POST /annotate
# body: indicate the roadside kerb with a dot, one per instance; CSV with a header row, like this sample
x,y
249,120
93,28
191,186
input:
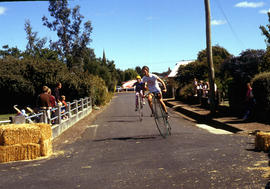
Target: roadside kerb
x,y
229,123
200,115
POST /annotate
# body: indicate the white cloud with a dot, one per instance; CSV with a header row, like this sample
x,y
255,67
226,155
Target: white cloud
x,y
264,11
150,18
245,4
218,22
2,10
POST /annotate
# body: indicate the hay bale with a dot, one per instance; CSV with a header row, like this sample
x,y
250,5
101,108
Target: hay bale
x,y
46,147
19,134
262,141
45,130
19,152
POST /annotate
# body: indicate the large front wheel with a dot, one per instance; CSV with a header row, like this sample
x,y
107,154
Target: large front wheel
x,y
161,119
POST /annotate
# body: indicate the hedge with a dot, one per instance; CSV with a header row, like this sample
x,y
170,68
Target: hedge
x,y
261,91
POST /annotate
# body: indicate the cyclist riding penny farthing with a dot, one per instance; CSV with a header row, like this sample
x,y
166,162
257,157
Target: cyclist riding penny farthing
x,y
155,100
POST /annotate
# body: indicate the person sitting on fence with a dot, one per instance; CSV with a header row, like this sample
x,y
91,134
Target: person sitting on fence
x,y
52,102
63,106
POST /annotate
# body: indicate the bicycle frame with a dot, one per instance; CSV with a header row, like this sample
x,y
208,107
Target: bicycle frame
x,y
160,116
139,103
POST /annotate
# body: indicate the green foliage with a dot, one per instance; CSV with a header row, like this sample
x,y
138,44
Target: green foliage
x,y
219,55
261,91
34,44
187,73
265,32
68,60
187,91
98,91
12,52
240,70
21,80
130,74
14,87
199,68
264,65
73,38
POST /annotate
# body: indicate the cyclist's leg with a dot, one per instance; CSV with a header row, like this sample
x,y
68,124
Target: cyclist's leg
x,y
150,103
136,100
162,103
141,97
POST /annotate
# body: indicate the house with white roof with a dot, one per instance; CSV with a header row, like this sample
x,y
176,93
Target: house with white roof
x,y
171,82
177,65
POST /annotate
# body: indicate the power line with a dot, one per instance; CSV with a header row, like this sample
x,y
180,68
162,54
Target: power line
x,y
230,25
21,0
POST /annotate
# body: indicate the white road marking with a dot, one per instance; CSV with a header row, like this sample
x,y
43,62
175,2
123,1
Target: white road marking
x,y
95,131
92,126
214,130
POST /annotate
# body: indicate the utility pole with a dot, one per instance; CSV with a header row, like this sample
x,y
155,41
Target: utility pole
x,y
211,71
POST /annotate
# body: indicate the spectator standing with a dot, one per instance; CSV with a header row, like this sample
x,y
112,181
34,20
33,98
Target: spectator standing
x,y
206,89
52,98
200,91
249,102
195,83
43,102
56,92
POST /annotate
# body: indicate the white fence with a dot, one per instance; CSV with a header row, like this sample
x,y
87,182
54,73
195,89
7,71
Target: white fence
x,y
60,120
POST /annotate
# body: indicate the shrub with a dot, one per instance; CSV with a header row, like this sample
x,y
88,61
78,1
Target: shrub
x,y
261,91
21,81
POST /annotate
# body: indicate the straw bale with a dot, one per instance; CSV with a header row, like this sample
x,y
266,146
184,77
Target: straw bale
x,y
46,147
1,136
18,134
262,141
45,130
19,152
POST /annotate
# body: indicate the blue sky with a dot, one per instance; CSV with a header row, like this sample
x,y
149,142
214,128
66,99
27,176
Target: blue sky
x,y
157,33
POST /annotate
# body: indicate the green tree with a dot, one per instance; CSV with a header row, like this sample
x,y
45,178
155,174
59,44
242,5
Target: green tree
x,y
237,71
266,31
264,65
13,52
130,74
72,40
139,70
34,44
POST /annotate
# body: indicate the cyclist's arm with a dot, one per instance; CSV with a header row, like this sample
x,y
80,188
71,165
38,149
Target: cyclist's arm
x,y
162,82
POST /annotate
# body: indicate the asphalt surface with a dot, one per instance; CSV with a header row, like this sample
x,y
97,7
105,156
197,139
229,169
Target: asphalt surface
x,y
115,150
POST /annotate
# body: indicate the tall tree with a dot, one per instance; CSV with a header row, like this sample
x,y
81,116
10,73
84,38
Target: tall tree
x,y
104,58
34,44
138,70
72,40
266,31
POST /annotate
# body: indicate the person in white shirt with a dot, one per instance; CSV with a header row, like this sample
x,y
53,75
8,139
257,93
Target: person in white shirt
x,y
151,80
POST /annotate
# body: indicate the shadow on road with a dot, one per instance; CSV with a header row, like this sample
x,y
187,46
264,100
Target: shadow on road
x,y
123,121
129,138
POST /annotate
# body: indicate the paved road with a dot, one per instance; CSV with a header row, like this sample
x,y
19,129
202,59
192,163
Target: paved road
x,y
117,151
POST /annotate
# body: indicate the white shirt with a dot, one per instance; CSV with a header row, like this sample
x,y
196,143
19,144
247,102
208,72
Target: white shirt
x,y
152,83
